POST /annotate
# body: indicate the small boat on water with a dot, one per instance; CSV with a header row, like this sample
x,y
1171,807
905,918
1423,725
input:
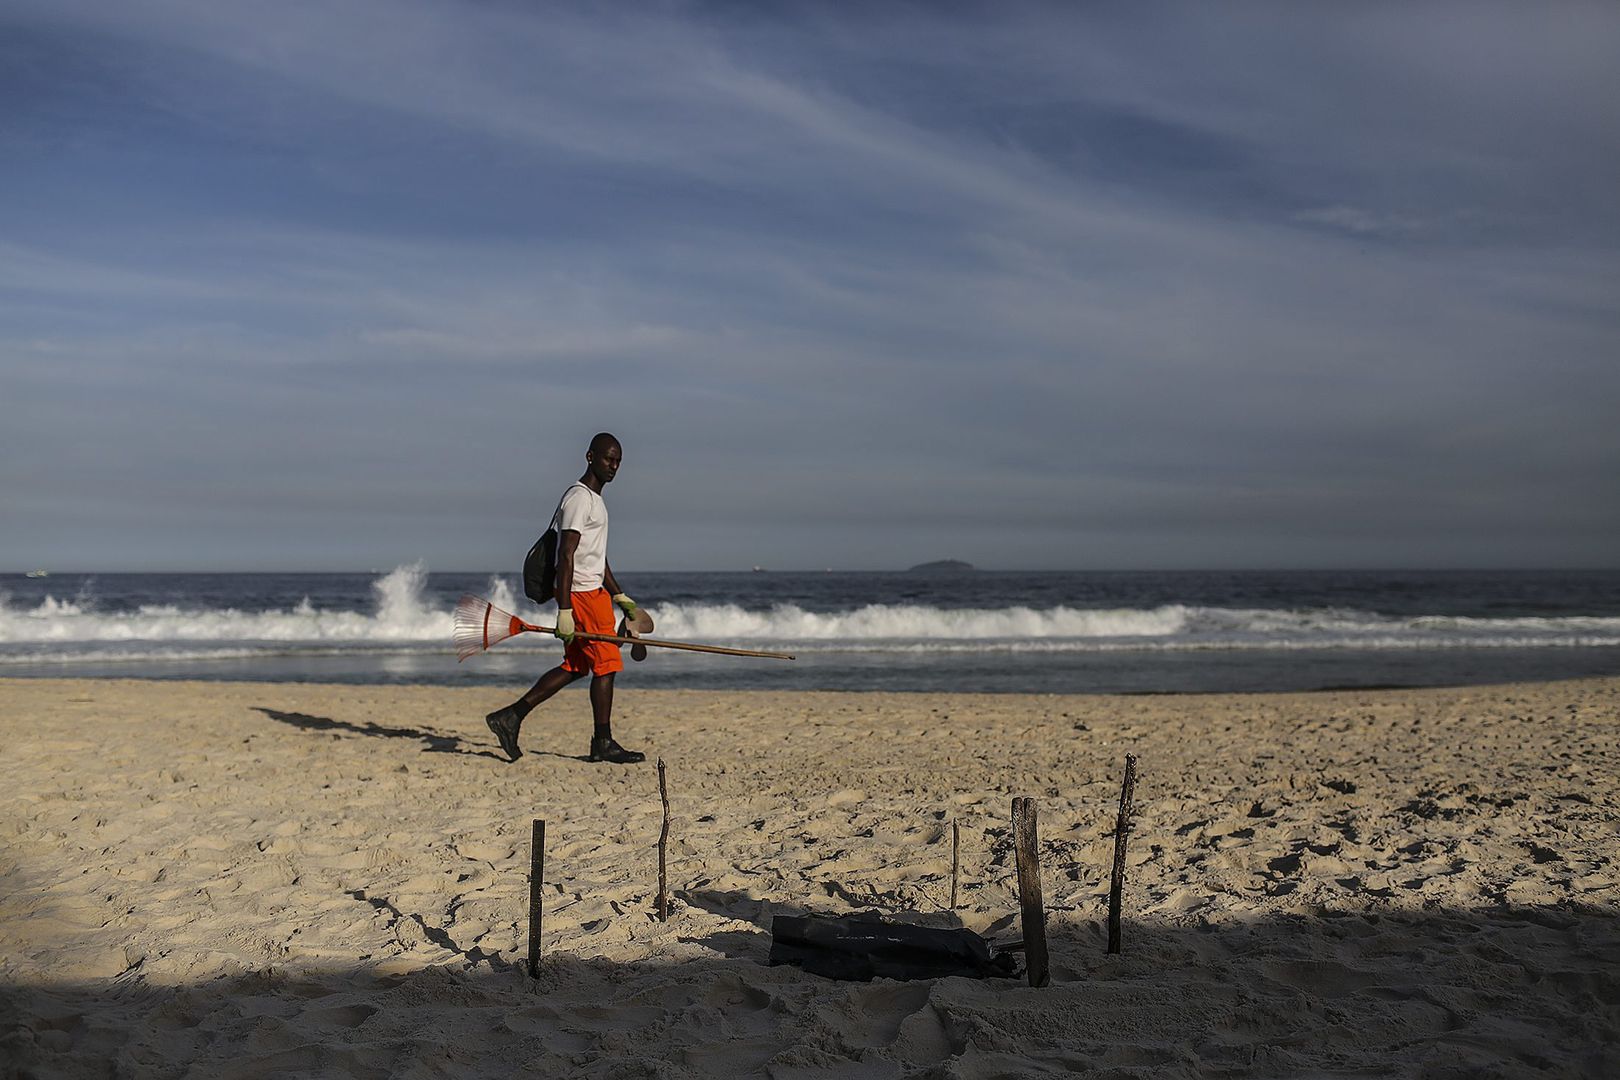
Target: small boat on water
x,y
38,573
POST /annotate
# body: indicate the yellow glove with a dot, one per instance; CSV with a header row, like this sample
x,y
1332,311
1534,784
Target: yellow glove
x,y
565,625
624,601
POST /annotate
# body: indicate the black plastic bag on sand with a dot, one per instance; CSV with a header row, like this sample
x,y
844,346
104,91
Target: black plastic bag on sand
x,y
862,948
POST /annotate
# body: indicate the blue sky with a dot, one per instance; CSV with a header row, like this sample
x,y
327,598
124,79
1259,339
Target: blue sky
x,y
343,285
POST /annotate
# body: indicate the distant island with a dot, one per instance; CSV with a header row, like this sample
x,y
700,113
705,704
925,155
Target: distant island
x,y
941,566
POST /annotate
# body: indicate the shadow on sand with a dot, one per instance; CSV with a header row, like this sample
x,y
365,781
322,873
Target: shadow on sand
x,y
1502,992
435,743
755,945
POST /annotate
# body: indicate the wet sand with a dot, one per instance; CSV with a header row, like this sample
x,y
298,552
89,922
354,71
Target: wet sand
x,y
250,879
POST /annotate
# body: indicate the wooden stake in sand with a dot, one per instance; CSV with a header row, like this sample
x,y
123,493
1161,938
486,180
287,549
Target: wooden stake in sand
x,y
663,841
1025,840
956,847
1122,828
537,871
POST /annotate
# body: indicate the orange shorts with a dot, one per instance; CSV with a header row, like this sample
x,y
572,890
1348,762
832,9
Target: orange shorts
x,y
593,613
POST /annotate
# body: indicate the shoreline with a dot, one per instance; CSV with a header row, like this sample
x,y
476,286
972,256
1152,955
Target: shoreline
x,y
270,877
518,682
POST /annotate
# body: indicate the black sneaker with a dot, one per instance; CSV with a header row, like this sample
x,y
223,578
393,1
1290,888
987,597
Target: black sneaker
x,y
605,749
505,723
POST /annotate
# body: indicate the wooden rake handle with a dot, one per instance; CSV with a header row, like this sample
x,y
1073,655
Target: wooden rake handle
x,y
684,645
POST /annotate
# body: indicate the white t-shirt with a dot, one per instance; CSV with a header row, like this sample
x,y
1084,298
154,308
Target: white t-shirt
x,y
584,511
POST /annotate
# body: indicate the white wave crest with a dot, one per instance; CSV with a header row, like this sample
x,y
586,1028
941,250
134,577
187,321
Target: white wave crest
x,y
401,616
881,622
1167,626
407,619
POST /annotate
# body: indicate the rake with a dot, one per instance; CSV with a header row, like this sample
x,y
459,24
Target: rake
x,y
480,624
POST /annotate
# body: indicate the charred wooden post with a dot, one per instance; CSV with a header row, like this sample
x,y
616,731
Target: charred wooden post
x,y
956,847
1026,840
537,872
663,842
1122,828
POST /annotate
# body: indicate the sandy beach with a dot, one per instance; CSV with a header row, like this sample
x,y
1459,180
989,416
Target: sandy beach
x,y
235,879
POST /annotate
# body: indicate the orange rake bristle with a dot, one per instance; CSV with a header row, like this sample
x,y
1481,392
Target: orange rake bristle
x,y
480,624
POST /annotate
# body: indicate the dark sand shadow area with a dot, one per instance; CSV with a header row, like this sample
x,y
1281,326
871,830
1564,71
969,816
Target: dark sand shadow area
x,y
435,742
1443,993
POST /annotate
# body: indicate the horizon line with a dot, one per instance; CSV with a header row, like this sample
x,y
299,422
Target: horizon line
x,y
971,569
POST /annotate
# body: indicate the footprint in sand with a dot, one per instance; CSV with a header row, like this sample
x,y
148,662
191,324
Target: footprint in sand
x,y
485,852
873,1016
343,1016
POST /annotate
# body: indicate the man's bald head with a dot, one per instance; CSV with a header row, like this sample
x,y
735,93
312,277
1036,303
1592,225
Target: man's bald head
x,y
602,461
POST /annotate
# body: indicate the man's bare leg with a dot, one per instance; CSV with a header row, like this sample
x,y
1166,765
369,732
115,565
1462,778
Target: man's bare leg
x,y
506,722
545,686
602,705
603,748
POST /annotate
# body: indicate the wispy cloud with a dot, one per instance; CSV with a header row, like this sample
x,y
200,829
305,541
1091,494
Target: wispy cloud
x,y
1247,285
1356,219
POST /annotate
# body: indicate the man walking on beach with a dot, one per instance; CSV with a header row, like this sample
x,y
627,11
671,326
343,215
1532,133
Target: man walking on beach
x,y
586,594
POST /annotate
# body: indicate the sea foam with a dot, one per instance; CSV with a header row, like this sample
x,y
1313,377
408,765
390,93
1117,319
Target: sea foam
x,y
405,618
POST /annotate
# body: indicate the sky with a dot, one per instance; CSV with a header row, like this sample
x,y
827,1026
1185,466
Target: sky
x,y
350,284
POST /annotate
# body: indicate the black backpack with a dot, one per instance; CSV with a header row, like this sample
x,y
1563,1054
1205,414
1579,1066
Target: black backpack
x,y
540,569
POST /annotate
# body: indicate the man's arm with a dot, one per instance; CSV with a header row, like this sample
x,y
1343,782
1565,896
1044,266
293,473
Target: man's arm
x,y
627,605
567,544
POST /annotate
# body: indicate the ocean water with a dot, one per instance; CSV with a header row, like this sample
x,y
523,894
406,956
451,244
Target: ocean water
x,y
1054,632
